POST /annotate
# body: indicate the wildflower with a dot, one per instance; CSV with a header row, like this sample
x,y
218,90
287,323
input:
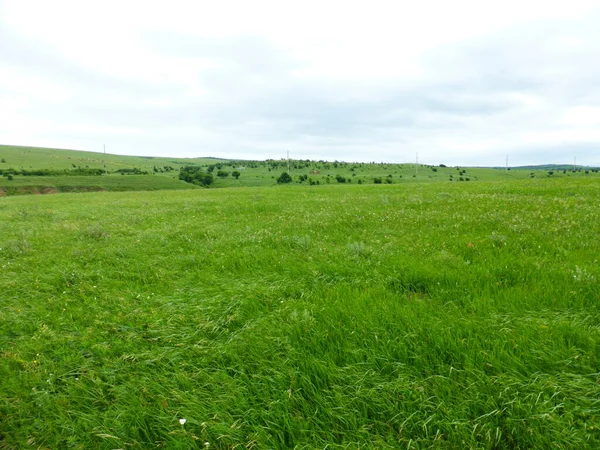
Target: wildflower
x,y
182,421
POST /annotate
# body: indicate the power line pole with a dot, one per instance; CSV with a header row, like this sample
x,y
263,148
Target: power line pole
x,y
417,165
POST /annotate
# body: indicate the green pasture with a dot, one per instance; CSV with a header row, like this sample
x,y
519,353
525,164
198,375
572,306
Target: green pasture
x,y
56,184
412,315
165,172
51,158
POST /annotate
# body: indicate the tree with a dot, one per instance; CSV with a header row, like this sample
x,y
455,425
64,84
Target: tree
x,y
203,179
284,178
235,174
3,160
194,175
222,174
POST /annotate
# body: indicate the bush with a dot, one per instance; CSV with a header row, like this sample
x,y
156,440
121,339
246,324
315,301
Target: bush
x,y
194,175
235,174
284,178
222,174
10,177
3,160
377,180
340,179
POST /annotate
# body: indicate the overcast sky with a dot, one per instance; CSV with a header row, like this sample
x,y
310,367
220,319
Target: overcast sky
x,y
458,82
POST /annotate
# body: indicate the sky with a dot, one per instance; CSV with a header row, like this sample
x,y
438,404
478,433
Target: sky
x,y
458,83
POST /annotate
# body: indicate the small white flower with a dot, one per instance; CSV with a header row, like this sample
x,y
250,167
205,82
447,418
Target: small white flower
x,y
182,421
207,444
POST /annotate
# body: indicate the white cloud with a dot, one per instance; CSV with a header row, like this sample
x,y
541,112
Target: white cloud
x,y
462,82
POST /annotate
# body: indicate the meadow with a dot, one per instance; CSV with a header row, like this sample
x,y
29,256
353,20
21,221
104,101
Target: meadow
x,y
162,173
408,315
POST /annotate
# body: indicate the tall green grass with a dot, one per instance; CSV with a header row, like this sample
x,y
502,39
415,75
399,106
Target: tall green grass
x,y
459,315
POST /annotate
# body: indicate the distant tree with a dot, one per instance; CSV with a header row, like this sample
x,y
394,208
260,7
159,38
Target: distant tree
x,y
284,178
377,180
194,175
340,179
10,177
203,179
235,174
222,174
3,160
442,165
551,173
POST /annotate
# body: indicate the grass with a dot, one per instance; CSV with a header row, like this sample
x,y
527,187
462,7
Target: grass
x,y
421,315
55,184
253,173
19,157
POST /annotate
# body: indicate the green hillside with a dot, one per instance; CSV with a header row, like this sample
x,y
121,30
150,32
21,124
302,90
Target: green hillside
x,y
152,173
52,158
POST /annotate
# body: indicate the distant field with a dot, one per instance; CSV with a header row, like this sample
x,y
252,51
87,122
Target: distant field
x,y
52,158
46,185
251,173
411,315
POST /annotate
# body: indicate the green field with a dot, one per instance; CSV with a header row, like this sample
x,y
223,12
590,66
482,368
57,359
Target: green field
x,y
163,173
340,316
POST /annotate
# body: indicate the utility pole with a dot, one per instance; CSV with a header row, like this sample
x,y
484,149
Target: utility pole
x,y
417,165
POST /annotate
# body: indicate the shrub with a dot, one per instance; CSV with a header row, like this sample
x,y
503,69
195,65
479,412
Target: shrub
x,y
284,178
222,174
377,180
194,175
235,174
10,177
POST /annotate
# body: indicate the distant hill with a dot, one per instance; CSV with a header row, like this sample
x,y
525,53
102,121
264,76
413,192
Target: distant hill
x,y
26,170
548,167
18,157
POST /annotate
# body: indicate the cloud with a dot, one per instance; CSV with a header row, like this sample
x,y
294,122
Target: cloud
x,y
340,82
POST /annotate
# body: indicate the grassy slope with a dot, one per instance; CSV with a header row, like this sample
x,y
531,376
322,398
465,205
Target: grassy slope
x,y
43,158
449,315
43,185
52,158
